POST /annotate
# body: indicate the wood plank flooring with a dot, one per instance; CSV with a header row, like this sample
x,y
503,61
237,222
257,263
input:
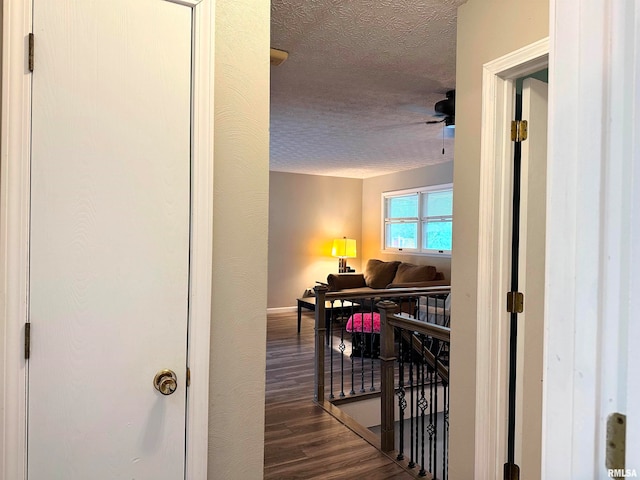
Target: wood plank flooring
x,y
302,441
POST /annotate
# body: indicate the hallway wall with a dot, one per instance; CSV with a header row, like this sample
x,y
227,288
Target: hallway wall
x,y
487,30
240,229
306,212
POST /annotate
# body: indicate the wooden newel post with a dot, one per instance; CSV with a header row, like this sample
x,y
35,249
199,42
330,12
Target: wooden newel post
x,y
387,363
321,331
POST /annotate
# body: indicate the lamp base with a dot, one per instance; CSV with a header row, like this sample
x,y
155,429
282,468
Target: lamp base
x,y
342,265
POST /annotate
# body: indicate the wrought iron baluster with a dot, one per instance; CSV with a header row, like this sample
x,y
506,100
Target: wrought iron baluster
x,y
433,460
414,453
445,427
352,358
423,404
362,344
342,348
402,401
373,353
330,339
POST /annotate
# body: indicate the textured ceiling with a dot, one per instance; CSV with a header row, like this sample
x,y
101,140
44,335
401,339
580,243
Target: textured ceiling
x,y
361,79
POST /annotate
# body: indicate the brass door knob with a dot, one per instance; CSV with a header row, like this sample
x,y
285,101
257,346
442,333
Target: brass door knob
x,y
165,382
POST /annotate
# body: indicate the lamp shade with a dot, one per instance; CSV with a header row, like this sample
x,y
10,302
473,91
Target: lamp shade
x,y
344,248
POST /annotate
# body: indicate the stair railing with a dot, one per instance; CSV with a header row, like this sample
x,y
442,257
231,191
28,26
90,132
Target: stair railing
x,y
413,366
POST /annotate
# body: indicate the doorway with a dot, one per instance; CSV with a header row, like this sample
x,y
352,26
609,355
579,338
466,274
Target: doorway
x,y
494,252
109,239
16,207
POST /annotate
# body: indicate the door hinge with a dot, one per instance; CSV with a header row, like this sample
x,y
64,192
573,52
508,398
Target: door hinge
x,y
27,340
188,376
515,302
511,471
31,51
616,433
518,130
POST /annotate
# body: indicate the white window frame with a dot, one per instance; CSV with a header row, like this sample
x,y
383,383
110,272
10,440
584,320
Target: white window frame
x,y
421,219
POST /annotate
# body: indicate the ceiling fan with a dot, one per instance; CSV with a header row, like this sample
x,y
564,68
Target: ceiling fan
x,y
446,109
443,112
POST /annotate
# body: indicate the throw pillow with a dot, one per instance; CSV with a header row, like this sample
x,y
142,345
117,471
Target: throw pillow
x,y
345,280
379,274
407,273
364,322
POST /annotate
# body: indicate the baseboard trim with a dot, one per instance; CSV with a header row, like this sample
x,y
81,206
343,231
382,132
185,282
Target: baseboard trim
x,y
281,309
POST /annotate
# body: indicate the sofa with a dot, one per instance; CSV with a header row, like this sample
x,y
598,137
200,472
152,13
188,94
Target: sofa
x,y
384,275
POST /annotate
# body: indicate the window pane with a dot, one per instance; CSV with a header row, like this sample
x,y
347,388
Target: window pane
x,y
405,206
401,235
437,235
438,203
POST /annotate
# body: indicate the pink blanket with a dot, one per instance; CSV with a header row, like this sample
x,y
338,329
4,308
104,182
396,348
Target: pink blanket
x,y
355,323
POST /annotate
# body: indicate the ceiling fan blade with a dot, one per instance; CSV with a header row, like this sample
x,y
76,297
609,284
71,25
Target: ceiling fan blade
x,y
398,125
420,110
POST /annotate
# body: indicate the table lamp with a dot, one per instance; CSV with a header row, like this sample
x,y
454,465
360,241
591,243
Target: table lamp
x,y
343,248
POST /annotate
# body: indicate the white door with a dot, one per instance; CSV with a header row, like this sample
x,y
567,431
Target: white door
x,y
531,279
109,249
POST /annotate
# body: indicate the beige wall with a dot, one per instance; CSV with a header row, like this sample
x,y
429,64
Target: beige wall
x,y
306,212
372,204
487,29
240,225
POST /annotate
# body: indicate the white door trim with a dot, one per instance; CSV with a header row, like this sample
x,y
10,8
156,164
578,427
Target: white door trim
x,y
594,228
14,235
494,247
201,258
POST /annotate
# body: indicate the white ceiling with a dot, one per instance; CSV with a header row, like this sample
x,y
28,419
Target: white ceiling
x,y
361,79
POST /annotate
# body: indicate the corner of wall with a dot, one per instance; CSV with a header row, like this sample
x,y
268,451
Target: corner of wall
x,y
240,225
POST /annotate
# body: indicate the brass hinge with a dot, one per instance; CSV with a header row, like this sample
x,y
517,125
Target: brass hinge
x,y
27,340
518,130
31,51
615,449
188,376
511,471
515,302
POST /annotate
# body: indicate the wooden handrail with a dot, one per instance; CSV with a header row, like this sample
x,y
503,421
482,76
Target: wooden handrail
x,y
418,326
430,358
385,293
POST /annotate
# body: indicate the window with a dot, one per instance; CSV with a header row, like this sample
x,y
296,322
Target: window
x,y
418,220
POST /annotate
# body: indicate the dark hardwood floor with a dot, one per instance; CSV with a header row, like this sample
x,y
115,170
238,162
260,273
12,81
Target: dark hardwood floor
x,y
302,441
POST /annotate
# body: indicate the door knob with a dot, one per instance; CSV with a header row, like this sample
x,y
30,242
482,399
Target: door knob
x,y
165,382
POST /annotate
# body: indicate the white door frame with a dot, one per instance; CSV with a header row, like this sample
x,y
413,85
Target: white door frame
x,y
15,156
494,250
593,235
